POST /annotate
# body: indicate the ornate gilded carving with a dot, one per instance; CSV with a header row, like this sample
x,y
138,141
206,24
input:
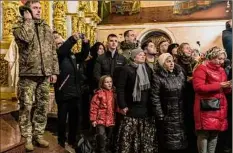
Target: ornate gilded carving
x,y
81,29
87,23
84,6
94,6
74,19
92,35
59,17
45,11
88,31
10,15
3,71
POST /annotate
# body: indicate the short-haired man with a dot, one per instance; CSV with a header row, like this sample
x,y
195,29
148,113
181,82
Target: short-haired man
x,y
110,62
129,43
151,53
38,66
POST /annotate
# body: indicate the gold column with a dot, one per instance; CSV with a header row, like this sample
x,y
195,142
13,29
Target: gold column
x,y
91,36
81,25
94,6
74,19
94,35
81,29
10,15
59,17
45,11
88,30
92,39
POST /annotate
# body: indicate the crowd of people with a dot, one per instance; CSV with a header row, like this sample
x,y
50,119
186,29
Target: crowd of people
x,y
139,97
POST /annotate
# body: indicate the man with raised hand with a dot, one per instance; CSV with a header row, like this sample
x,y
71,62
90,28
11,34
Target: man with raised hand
x,y
38,67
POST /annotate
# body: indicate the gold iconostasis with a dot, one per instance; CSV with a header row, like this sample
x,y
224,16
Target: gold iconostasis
x,y
65,17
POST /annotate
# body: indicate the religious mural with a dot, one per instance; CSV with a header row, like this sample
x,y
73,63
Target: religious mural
x,y
191,6
114,12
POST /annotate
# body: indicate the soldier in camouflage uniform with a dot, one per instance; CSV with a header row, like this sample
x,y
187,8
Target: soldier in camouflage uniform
x,y
38,66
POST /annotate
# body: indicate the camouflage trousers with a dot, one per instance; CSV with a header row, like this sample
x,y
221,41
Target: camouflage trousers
x,y
32,123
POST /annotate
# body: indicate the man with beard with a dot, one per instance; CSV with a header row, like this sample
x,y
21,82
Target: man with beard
x,y
151,53
129,43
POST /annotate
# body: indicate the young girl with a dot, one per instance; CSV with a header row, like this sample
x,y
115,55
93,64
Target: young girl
x,y
102,113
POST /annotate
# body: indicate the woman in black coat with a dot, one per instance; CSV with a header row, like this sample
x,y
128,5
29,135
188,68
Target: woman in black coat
x,y
137,130
167,100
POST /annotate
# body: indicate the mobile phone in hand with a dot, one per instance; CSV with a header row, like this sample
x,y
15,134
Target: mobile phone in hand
x,y
81,36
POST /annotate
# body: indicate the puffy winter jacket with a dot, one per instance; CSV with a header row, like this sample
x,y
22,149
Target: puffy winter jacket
x,y
167,100
102,108
206,82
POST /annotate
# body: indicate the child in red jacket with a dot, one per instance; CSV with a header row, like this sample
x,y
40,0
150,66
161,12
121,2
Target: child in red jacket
x,y
102,112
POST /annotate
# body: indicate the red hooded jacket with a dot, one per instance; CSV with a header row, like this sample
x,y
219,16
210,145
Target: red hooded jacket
x,y
206,82
102,109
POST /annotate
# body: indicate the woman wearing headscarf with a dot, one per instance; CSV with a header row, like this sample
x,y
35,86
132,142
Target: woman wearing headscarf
x,y
210,108
167,99
137,130
187,62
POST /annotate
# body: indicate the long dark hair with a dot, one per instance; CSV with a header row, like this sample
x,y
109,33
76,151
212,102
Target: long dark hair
x,y
171,47
94,49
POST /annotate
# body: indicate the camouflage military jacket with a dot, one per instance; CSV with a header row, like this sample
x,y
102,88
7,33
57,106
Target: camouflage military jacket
x,y
37,50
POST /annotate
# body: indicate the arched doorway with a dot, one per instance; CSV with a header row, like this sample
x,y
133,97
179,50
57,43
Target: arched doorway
x,y
156,37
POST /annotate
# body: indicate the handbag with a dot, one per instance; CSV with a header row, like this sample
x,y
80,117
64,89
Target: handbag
x,y
210,104
83,146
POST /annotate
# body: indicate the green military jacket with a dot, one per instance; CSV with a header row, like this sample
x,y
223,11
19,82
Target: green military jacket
x,y
37,50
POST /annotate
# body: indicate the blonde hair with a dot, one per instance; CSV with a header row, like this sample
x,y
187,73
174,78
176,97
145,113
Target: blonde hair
x,y
101,81
210,54
180,49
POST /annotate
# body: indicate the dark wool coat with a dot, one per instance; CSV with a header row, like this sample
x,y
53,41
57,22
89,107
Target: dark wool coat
x,y
69,79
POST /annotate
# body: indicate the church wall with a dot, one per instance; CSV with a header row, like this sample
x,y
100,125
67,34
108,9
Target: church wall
x,y
209,33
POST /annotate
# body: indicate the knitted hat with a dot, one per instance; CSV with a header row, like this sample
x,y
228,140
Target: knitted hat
x,y
214,52
134,52
162,58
